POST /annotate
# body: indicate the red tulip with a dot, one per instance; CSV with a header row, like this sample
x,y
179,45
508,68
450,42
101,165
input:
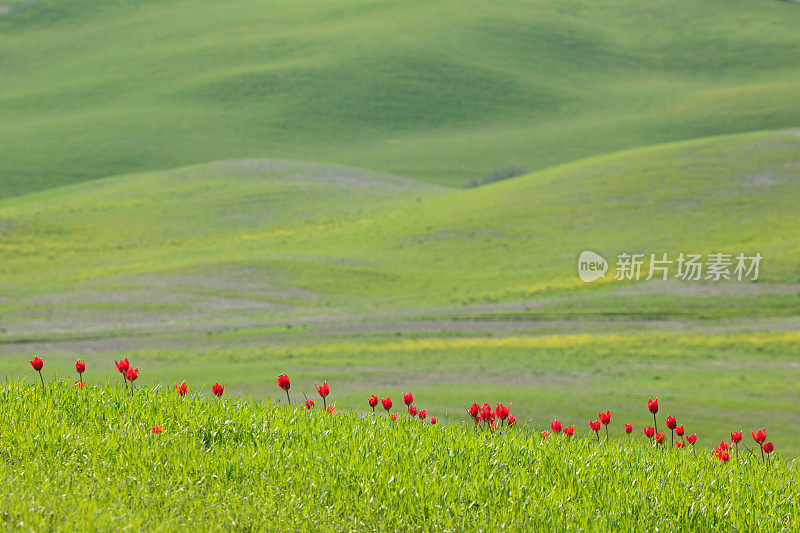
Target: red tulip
x,y
37,363
122,365
649,432
680,444
309,404
723,456
473,411
512,421
761,436
433,421
736,437
628,428
679,431
323,391
330,409
373,401
408,398
605,419
595,426
80,385
691,439
132,374
412,410
80,367
659,438
387,403
158,429
672,424
392,416
283,382
423,414
569,431
768,447
545,434
502,411
652,405
723,446
555,426
217,389
181,389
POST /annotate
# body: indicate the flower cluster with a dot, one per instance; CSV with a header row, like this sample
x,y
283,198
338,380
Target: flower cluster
x,y
484,416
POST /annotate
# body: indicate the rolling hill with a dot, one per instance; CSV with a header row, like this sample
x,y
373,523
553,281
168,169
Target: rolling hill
x,y
243,269
95,88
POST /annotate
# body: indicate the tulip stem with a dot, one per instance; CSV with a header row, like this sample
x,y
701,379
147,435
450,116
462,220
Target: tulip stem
x,y
287,397
672,438
655,423
40,377
607,433
124,380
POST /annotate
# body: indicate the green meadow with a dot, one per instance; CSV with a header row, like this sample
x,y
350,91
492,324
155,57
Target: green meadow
x,y
238,271
232,191
240,465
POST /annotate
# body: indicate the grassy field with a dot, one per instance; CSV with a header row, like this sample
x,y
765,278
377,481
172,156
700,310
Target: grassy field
x,y
232,191
88,458
253,268
444,91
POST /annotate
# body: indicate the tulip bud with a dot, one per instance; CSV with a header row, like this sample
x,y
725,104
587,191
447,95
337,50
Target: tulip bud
x,y
37,363
652,405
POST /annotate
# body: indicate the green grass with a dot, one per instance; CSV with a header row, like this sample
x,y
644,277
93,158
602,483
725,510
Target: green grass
x,y
79,459
712,383
443,91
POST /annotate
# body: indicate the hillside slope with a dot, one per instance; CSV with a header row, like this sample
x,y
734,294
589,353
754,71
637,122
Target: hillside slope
x,y
246,269
444,91
260,239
